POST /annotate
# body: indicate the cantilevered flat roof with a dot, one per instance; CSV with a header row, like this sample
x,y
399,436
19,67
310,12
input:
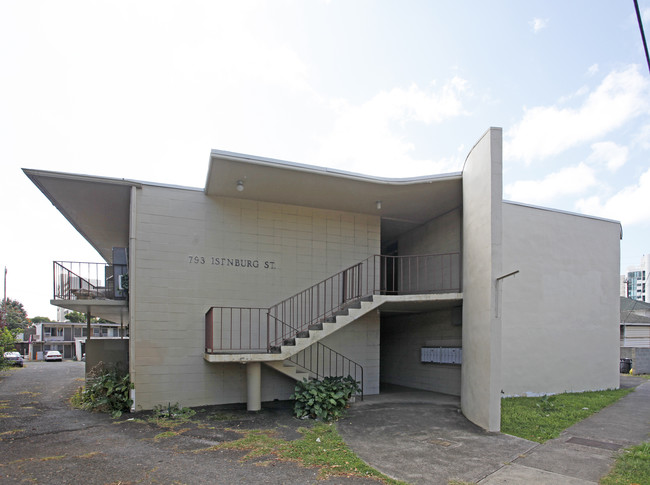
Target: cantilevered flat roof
x,y
97,207
405,203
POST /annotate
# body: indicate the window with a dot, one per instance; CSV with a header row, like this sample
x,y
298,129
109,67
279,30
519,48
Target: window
x,y
52,332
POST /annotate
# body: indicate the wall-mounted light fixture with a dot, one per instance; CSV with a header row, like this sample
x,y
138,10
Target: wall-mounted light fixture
x,y
240,186
379,205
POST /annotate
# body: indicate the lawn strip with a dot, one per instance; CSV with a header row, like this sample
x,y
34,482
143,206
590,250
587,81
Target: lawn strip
x,y
632,466
543,418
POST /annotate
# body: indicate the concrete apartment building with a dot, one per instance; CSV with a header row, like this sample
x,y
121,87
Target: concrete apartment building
x,y
634,284
275,271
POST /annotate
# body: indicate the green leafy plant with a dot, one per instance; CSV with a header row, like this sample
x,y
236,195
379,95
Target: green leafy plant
x,y
172,412
324,399
107,390
7,340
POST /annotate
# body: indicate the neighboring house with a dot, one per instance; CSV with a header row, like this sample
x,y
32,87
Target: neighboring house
x,y
272,272
634,284
635,334
66,337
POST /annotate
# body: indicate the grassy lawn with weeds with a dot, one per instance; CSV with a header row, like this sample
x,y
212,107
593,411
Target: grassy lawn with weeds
x,y
543,418
321,446
632,467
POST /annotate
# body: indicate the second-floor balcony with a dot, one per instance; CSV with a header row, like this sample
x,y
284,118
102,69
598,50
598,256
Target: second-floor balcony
x,y
97,288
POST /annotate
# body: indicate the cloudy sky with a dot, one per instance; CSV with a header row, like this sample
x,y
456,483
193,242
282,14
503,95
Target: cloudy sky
x,y
144,89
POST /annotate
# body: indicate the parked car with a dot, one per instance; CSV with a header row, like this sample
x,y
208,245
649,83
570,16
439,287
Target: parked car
x,y
52,355
13,358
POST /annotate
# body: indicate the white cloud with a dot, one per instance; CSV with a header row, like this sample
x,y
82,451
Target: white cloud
x,y
631,205
369,138
548,130
609,154
593,70
538,24
569,181
642,137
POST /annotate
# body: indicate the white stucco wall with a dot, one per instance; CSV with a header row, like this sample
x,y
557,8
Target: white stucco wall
x,y
482,200
293,248
560,313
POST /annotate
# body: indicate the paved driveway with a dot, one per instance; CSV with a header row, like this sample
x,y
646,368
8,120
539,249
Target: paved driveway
x,y
422,437
43,440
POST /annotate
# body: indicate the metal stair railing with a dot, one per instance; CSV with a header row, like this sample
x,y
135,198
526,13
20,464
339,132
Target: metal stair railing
x,y
322,361
376,275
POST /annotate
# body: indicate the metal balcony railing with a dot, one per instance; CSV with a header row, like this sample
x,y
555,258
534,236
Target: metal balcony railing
x,y
258,329
85,281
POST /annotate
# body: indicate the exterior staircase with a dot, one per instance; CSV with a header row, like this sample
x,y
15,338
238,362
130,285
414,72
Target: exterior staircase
x,y
288,335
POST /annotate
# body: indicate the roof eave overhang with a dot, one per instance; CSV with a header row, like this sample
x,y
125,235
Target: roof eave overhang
x,y
269,180
78,210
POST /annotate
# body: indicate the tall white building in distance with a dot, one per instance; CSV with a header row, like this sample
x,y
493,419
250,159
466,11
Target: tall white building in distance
x,y
635,281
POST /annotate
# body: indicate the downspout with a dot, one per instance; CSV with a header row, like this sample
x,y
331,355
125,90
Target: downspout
x,y
131,296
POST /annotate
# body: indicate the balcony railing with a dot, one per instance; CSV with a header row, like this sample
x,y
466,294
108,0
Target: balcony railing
x,y
259,329
86,281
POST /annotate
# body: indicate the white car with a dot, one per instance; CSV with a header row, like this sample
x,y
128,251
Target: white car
x,y
13,358
52,355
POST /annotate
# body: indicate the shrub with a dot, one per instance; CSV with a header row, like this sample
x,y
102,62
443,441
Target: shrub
x,y
324,400
107,390
172,412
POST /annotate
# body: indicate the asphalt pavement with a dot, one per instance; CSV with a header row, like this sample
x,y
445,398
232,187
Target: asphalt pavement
x,y
44,440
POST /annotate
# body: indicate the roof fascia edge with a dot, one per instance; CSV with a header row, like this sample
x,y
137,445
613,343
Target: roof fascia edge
x,y
31,173
568,213
318,170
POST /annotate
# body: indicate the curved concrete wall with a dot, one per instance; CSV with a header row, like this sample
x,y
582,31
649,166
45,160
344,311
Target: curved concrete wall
x,y
482,200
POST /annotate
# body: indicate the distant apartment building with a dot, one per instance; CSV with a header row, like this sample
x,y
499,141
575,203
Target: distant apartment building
x,y
66,337
634,284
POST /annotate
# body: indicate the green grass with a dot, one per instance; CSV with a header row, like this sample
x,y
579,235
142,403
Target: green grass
x,y
321,446
632,467
541,419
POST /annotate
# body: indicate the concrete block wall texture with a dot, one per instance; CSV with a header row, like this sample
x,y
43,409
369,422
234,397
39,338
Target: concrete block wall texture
x,y
403,336
557,337
359,341
640,359
191,252
109,351
481,230
440,235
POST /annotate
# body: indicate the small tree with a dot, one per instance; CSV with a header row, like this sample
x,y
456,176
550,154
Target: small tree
x,y
16,316
76,317
40,320
7,341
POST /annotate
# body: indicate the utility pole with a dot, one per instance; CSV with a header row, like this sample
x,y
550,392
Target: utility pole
x,y
3,322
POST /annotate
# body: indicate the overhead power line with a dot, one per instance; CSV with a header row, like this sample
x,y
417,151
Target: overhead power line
x,y
645,45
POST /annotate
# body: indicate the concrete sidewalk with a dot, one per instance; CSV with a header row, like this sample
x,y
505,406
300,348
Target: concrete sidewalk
x,y
583,453
421,437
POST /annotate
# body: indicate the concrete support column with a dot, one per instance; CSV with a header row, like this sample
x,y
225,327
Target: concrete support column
x,y
254,386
